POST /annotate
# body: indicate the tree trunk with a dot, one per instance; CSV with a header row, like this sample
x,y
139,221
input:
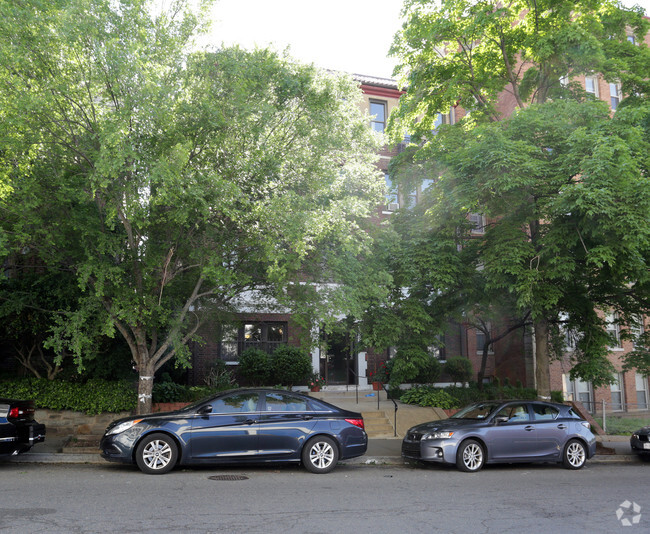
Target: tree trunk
x,y
481,373
145,388
542,361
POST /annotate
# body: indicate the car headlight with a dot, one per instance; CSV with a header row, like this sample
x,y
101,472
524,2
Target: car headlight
x,y
635,436
586,425
438,435
122,427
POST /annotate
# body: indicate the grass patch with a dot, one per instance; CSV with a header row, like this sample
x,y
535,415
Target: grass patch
x,y
623,426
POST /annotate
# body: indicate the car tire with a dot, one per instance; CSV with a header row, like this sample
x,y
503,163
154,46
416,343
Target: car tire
x,y
320,455
470,456
575,454
156,454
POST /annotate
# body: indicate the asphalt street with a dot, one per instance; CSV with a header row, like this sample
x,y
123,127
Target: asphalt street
x,y
58,498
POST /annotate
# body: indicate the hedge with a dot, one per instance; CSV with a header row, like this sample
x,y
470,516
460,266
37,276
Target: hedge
x,y
93,397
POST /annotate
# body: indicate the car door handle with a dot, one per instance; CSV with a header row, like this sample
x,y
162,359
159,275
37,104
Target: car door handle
x,y
529,428
561,426
307,417
251,422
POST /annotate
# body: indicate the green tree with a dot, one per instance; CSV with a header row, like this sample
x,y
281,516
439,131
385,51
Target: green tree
x,y
172,182
563,185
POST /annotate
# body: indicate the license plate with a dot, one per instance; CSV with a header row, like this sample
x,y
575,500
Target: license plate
x,y
646,445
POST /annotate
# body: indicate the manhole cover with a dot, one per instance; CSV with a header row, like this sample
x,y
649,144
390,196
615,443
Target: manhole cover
x,y
228,477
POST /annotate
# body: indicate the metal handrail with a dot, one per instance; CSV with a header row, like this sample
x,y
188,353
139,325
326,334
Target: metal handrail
x,y
383,386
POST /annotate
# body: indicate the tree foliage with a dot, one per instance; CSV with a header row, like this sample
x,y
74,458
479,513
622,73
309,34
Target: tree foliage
x,y
562,183
172,182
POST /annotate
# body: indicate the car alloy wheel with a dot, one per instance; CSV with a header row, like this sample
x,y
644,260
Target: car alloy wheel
x,y
575,454
320,455
470,456
156,454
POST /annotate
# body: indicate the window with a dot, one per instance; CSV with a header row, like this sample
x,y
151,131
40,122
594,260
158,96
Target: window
x,y
571,337
578,391
427,183
636,329
411,199
591,85
229,339
477,222
631,39
516,413
281,402
378,113
443,118
266,336
641,391
614,94
392,201
238,403
617,393
480,340
613,330
542,412
438,349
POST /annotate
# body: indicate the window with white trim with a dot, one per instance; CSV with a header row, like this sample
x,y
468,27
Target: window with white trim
x,y
614,94
378,115
477,222
641,383
591,85
392,198
480,340
616,389
613,329
579,391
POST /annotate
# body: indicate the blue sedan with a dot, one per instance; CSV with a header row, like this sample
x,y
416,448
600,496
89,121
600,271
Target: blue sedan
x,y
239,426
503,432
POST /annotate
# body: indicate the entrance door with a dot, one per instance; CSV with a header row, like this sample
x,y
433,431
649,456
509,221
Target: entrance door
x,y
341,359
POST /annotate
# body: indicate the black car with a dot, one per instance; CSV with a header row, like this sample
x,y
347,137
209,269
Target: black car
x,y
640,442
503,431
239,426
18,430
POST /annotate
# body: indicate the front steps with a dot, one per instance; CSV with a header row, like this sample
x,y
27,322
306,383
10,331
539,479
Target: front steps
x,y
378,425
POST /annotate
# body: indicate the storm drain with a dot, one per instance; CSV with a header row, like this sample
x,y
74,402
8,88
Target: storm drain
x,y
228,477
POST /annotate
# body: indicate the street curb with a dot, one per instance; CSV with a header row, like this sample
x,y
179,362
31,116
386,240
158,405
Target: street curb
x,y
57,458
370,461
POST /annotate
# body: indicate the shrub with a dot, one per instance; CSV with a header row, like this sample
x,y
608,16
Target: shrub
x,y
168,392
93,397
290,365
255,367
407,364
459,369
220,377
429,396
430,369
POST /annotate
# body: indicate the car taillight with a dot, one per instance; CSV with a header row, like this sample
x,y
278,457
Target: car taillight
x,y
357,422
16,412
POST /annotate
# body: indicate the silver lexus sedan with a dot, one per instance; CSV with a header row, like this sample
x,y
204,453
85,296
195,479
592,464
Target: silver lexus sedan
x,y
503,432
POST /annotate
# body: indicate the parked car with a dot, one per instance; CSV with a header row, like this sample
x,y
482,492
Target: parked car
x,y
239,426
640,442
18,430
498,431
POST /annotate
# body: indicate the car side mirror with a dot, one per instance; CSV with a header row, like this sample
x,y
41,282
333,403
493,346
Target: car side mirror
x,y
205,409
501,419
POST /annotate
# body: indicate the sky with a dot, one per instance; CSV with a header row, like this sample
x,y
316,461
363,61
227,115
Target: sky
x,y
347,35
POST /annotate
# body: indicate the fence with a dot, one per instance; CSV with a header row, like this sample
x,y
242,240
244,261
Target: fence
x,y
619,417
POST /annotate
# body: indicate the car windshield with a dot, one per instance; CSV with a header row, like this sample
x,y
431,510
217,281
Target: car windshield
x,y
480,410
